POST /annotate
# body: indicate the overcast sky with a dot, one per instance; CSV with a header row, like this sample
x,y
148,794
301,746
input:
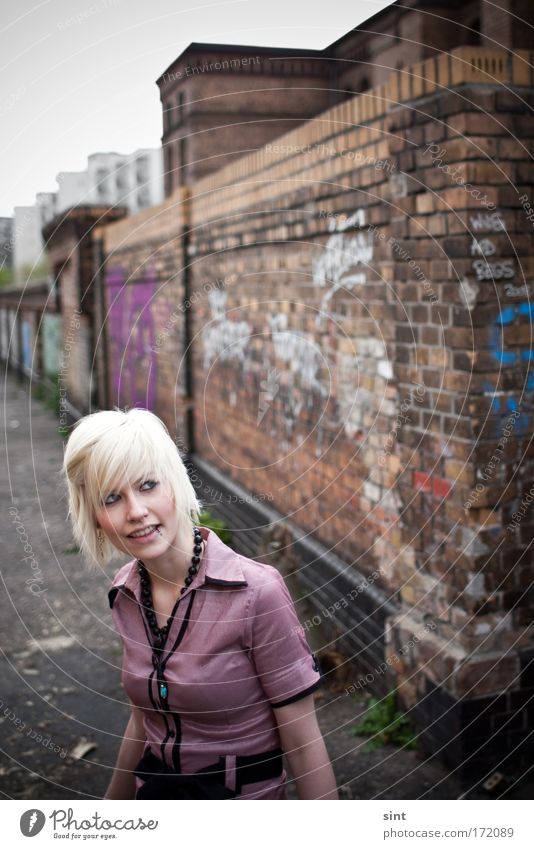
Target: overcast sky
x,y
78,76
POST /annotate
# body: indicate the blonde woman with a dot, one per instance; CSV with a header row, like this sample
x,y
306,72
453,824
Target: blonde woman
x,y
215,663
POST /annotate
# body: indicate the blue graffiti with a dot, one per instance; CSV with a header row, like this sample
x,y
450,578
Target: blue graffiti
x,y
503,406
507,316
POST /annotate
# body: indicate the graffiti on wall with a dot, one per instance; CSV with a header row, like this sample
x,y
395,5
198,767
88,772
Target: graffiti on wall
x,y
26,345
52,334
342,265
493,269
4,334
223,338
132,336
308,372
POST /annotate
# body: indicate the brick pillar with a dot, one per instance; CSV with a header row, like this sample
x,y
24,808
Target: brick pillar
x,y
505,23
460,240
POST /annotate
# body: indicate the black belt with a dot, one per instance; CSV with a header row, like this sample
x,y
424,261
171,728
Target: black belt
x,y
207,783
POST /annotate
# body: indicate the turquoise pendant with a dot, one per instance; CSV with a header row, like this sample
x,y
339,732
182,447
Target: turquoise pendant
x,y
163,690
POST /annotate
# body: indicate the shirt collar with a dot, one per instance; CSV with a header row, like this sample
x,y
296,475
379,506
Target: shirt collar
x,y
220,567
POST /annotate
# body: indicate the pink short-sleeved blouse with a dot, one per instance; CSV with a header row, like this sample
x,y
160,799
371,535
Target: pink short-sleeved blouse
x,y
235,650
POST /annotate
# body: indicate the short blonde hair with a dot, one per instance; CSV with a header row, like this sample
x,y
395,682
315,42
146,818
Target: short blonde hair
x,y
108,449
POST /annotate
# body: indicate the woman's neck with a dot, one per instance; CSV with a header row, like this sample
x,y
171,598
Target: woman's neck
x,y
168,571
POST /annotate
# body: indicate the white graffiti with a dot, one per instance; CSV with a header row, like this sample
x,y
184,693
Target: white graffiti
x,y
300,352
342,254
224,339
494,270
487,221
482,247
525,290
469,292
354,402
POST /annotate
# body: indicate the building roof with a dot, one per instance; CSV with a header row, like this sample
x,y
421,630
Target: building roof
x,y
239,49
81,216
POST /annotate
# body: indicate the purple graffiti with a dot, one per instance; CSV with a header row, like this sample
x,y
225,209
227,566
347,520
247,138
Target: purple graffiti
x,y
132,335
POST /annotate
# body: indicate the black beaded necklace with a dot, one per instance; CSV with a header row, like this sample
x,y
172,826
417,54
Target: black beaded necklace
x,y
146,592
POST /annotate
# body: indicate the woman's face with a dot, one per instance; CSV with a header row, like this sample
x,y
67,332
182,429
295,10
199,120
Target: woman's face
x,y
139,518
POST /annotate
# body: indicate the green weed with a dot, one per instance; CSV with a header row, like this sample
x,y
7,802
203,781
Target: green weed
x,y
385,724
216,525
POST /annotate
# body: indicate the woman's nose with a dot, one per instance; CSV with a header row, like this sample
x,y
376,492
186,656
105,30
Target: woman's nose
x,y
136,509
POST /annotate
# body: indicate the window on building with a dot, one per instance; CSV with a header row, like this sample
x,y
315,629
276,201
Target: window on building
x,y
122,180
143,198
472,33
168,176
101,183
167,112
141,169
179,179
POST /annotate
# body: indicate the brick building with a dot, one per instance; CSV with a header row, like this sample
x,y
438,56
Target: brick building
x,y
339,322
220,101
70,249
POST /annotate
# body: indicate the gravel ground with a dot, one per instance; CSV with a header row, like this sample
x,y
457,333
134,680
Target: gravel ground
x,y
60,654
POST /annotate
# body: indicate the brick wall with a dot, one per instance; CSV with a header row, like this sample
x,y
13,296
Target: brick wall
x,y
221,101
144,293
69,245
359,348
359,364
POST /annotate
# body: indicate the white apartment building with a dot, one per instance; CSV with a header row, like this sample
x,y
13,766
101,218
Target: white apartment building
x,y
27,240
47,203
134,180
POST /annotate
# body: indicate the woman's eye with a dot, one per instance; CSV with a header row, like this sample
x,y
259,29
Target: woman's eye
x,y
148,485
110,499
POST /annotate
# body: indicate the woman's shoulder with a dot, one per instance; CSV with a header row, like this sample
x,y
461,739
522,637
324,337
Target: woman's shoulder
x,y
260,575
225,565
125,577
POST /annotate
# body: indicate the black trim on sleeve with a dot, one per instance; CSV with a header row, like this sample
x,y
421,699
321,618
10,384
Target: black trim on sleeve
x,y
111,596
298,696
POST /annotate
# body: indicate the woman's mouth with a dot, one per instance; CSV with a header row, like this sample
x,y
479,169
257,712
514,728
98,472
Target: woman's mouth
x,y
145,534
